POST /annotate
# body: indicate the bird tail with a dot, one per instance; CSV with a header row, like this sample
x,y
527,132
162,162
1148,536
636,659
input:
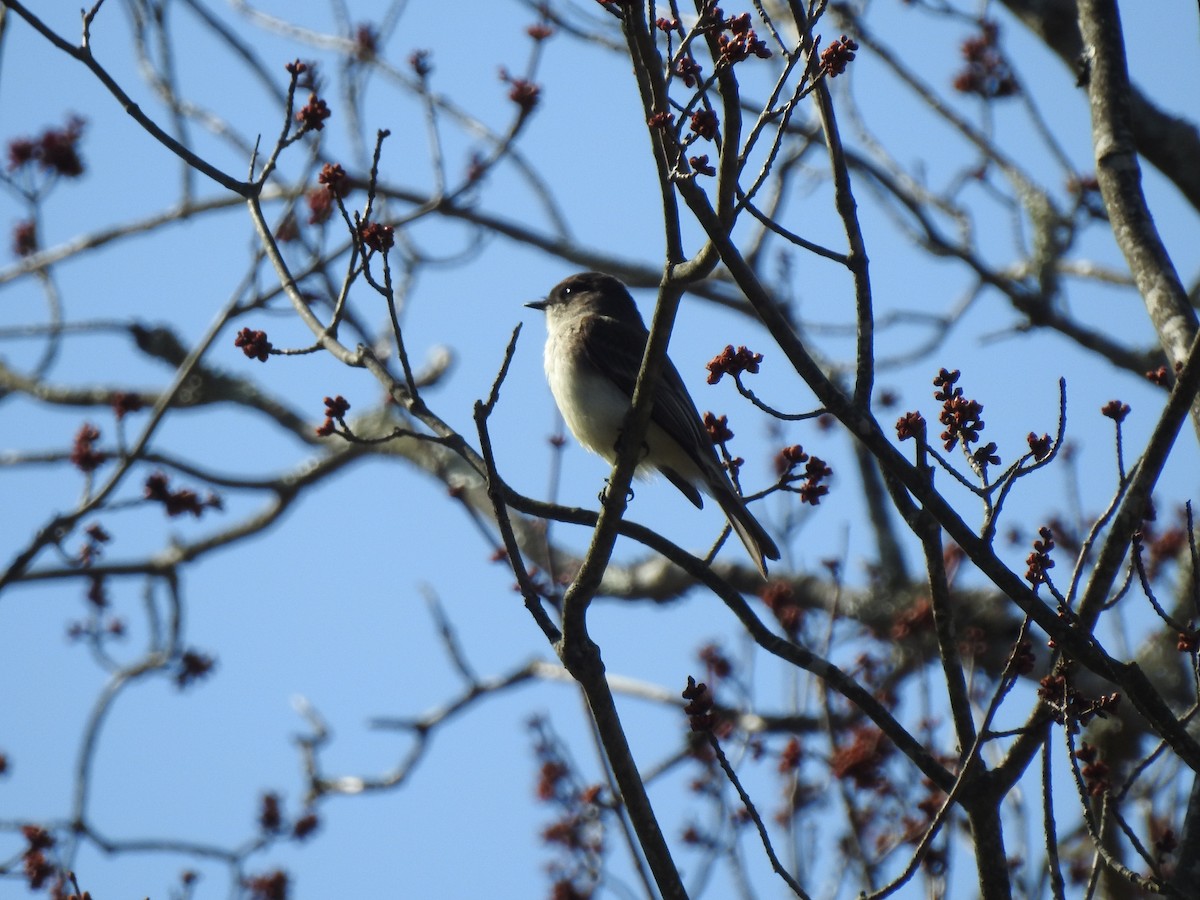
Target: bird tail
x,y
755,538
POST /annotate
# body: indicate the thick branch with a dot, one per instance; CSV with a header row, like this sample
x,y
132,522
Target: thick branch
x,y
1170,144
1120,180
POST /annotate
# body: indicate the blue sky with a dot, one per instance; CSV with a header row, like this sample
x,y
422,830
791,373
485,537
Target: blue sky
x,y
331,603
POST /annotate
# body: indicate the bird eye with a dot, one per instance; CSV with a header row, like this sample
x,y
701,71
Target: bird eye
x,y
567,291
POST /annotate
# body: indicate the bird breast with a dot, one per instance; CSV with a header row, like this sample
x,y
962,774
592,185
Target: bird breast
x,y
591,405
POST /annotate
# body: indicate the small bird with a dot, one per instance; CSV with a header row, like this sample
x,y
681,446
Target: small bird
x,y
595,339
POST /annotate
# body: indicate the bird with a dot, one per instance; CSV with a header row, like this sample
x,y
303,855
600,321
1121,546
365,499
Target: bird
x,y
595,340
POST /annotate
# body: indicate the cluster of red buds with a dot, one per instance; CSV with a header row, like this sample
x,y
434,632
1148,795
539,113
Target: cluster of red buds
x,y
271,819
960,415
733,362
1115,410
1095,770
268,886
335,184
688,70
335,179
254,344
335,414
699,708
366,42
24,238
54,151
741,42
910,425
377,236
84,455
313,114
704,124
178,502
812,488
717,428
1071,706
837,56
123,403
1039,560
861,760
577,831
38,868
193,665
780,598
93,549
419,62
986,74
522,92
1040,447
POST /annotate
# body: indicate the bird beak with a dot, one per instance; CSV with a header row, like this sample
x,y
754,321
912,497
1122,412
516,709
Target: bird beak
x,y
538,304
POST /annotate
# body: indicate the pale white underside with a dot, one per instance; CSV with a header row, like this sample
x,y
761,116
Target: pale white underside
x,y
594,410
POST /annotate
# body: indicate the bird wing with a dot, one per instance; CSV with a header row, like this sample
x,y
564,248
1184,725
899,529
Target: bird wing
x,y
621,347
614,350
